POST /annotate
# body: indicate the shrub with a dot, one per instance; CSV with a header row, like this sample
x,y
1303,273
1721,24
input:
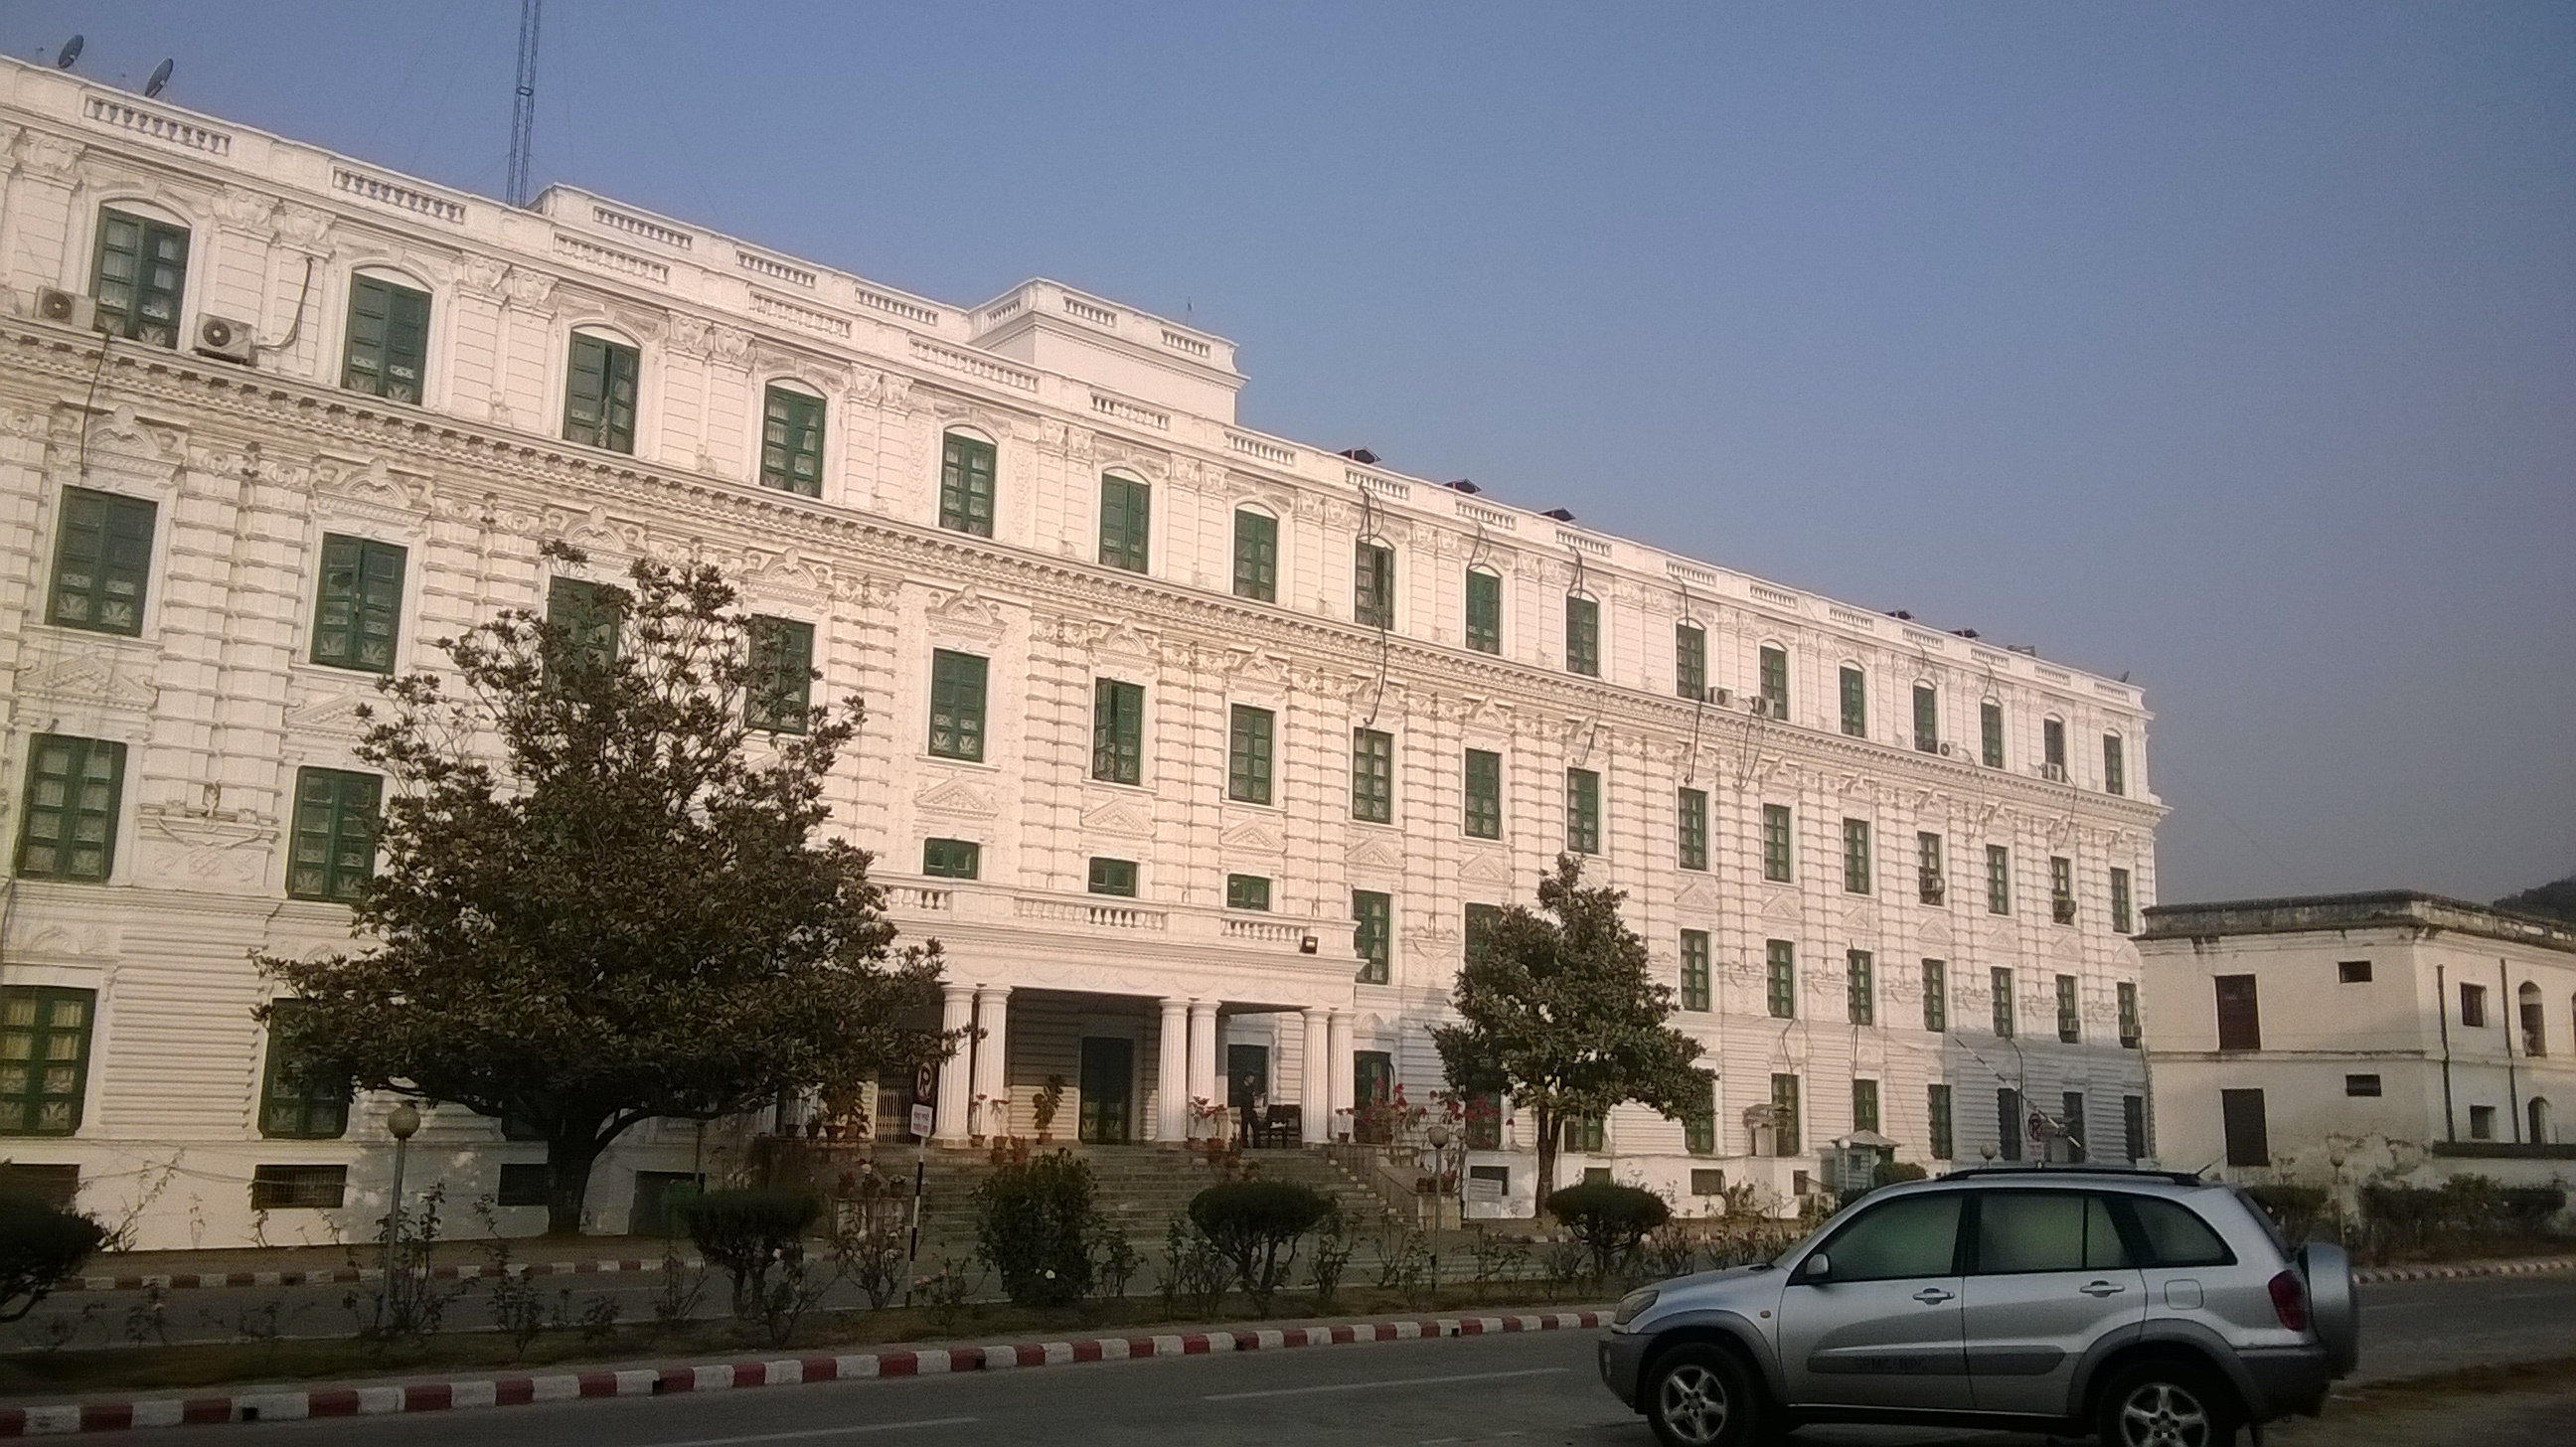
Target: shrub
x,y
1257,1225
1610,1220
40,1247
1891,1172
2294,1209
749,1233
1034,1224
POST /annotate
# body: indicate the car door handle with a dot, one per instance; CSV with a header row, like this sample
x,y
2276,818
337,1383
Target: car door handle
x,y
2102,1288
1931,1296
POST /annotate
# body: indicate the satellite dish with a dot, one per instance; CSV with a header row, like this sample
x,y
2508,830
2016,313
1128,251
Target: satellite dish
x,y
70,52
160,78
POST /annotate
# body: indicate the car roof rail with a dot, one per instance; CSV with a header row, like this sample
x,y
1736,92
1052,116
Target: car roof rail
x,y
2180,1178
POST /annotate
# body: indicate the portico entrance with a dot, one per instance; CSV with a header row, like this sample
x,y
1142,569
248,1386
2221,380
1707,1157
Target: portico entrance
x,y
1108,1091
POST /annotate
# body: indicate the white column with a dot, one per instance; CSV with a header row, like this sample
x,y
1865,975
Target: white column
x,y
1315,1087
948,1117
1203,1048
1338,1047
992,1058
1172,1074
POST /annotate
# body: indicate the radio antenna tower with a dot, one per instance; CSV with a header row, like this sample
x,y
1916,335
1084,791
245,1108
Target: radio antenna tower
x,y
523,112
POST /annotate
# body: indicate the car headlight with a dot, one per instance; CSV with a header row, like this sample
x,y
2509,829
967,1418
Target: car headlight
x,y
1632,1306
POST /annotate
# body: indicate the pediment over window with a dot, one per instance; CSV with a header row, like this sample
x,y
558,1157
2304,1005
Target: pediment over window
x,y
1260,836
957,796
106,678
1120,816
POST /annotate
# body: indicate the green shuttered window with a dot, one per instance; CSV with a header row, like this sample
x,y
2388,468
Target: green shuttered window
x,y
966,484
1775,682
1126,522
1373,934
1776,858
69,827
1990,732
1247,754
1117,731
1373,584
1583,811
1998,879
599,393
101,561
1690,661
1692,807
142,277
1856,856
1582,635
1695,985
293,1103
388,347
585,618
791,441
1114,876
334,846
44,1058
780,690
1484,611
1864,1105
1927,719
1784,1115
1373,776
2115,774
952,858
1247,891
1484,794
956,705
1936,996
357,609
1861,987
1855,702
1936,1102
1256,555
2000,982
1780,978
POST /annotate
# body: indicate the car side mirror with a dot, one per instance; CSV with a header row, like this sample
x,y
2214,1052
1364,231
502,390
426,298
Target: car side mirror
x,y
1817,1269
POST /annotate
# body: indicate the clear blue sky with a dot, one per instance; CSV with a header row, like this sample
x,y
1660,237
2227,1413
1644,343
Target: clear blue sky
x,y
2233,347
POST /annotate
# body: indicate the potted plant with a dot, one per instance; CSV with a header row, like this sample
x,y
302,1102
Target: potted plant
x,y
1049,1100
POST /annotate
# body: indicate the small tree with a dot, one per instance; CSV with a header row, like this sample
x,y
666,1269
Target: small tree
x,y
1257,1225
600,899
1556,1011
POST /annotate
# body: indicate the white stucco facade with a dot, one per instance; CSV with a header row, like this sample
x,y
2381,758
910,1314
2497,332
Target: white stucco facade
x,y
2393,1034
242,470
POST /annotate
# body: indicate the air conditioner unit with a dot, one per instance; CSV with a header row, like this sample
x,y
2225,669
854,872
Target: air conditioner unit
x,y
2053,773
1931,891
69,308
223,337
1949,750
2063,909
1720,697
1761,706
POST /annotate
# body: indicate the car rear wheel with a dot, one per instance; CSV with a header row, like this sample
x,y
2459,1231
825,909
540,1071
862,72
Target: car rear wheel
x,y
2167,1404
1701,1396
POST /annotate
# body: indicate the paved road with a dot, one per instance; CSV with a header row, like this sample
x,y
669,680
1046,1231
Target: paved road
x,y
1526,1391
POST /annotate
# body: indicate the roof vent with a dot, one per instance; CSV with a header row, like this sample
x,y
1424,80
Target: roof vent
x,y
1361,455
1561,514
1463,485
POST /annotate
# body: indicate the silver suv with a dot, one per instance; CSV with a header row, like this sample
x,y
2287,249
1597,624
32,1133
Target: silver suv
x,y
2151,1308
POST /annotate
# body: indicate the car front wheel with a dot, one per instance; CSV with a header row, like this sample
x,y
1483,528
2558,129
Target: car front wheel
x,y
2167,1404
1701,1396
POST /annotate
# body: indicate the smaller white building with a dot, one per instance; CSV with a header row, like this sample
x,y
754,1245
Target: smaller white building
x,y
2334,1038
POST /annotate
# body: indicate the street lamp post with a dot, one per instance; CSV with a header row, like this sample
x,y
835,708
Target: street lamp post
x,y
1439,1137
402,1123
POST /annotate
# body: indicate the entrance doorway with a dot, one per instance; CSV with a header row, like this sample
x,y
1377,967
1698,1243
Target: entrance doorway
x,y
1108,1091
1373,1093
1247,1076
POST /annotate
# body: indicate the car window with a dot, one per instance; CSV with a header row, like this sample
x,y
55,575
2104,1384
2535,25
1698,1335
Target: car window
x,y
1911,1236
2176,1236
2046,1231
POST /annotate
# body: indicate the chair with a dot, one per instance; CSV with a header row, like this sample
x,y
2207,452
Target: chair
x,y
1280,1125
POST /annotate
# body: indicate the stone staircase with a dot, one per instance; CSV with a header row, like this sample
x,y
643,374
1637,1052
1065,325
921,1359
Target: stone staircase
x,y
1138,1189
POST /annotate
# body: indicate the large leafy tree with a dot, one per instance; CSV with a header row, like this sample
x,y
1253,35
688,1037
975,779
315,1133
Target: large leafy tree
x,y
600,896
2554,900
1556,1010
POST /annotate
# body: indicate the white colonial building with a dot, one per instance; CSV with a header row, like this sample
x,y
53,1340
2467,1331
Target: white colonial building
x,y
2339,1037
1159,707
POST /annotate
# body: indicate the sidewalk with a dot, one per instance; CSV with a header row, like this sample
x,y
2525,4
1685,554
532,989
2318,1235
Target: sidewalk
x,y
303,1265
387,1397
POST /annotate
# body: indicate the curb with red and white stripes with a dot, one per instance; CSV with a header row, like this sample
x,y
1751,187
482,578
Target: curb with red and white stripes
x,y
191,1280
380,1401
2372,1276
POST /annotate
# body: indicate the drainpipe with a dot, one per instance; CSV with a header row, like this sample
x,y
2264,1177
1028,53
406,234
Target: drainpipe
x,y
2442,1014
2512,1022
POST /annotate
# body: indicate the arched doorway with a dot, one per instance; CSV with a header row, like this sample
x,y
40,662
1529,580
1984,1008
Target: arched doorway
x,y
2536,1115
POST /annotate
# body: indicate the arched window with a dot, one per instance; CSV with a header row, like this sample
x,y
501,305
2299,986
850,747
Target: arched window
x,y
600,388
1126,522
1484,610
966,471
386,352
1582,634
2536,1116
1855,700
2535,1026
1256,554
791,438
1373,583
